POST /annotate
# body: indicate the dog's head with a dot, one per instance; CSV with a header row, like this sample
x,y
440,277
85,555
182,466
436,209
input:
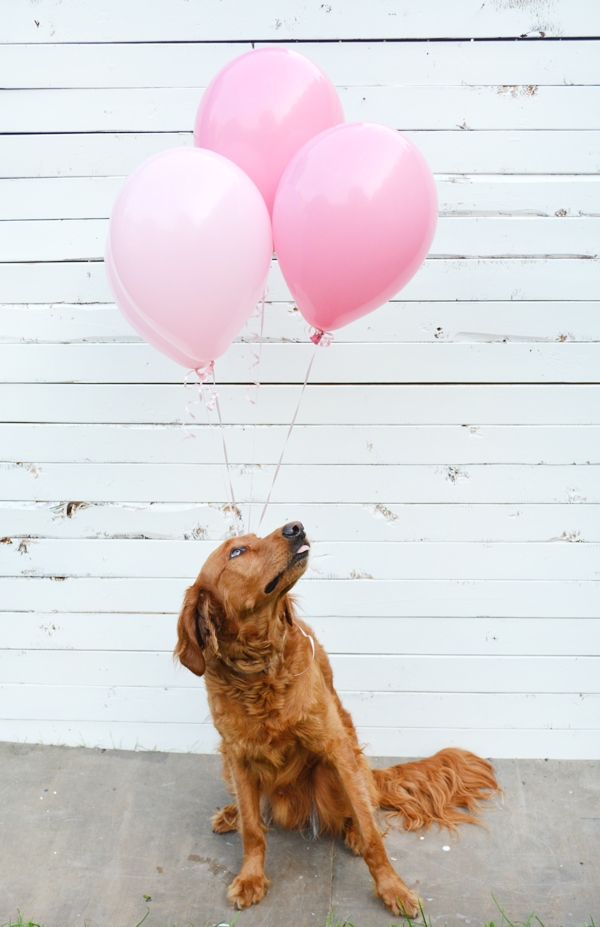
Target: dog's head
x,y
238,605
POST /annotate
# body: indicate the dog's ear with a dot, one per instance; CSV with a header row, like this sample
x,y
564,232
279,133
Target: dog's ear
x,y
198,623
288,609
189,649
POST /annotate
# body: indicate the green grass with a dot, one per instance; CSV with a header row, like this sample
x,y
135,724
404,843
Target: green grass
x,y
532,921
502,921
19,922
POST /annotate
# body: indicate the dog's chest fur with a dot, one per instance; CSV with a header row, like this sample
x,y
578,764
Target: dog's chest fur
x,y
267,718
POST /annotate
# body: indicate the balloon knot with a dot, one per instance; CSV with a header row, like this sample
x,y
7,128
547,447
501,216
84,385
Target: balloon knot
x,y
204,371
322,338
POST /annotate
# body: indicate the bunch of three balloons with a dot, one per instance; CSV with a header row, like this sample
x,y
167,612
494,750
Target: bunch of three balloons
x,y
353,206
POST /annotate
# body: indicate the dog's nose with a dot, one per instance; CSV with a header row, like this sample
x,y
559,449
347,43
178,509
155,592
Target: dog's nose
x,y
294,529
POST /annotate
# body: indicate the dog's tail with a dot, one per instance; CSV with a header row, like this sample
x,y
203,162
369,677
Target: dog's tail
x,y
432,791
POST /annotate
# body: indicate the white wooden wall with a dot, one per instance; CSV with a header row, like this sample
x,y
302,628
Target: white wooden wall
x,y
446,460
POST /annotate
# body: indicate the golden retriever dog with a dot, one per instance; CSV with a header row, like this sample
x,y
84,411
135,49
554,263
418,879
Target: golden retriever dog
x,y
290,750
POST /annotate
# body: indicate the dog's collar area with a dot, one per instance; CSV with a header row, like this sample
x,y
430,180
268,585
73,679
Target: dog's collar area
x,y
248,672
265,669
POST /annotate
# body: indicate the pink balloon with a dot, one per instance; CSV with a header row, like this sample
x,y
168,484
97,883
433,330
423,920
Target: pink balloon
x,y
261,108
135,319
191,246
354,217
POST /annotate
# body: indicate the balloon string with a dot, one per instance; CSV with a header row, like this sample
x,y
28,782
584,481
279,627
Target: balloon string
x,y
319,339
234,511
254,400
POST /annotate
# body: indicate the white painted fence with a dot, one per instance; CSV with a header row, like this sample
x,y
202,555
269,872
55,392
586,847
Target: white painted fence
x,y
446,457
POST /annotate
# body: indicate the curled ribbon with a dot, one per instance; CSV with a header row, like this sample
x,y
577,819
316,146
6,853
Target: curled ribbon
x,y
211,402
237,525
202,373
259,313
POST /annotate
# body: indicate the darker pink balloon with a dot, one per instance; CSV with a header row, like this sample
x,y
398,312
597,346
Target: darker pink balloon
x,y
354,217
261,108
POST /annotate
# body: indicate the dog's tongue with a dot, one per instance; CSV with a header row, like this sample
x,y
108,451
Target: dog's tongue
x,y
302,549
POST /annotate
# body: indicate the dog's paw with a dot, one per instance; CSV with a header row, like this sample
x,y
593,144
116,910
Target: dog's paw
x,y
398,898
247,890
225,820
352,839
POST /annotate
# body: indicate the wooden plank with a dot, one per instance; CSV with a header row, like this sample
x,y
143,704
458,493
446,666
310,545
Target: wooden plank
x,y
529,744
359,635
129,703
453,152
60,197
380,598
381,741
332,444
412,710
510,404
428,322
497,711
509,152
482,279
340,560
171,738
385,485
464,237
483,362
48,631
409,108
352,673
161,64
517,235
555,523
193,64
218,21
437,109
95,154
517,195
458,195
54,240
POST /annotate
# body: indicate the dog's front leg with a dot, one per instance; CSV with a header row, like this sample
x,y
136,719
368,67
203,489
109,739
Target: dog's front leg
x,y
396,896
250,886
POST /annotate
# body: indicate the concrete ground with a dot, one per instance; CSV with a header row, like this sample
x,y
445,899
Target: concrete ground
x,y
86,834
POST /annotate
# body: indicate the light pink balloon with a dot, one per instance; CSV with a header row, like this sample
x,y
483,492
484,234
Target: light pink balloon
x,y
191,245
354,217
135,319
261,108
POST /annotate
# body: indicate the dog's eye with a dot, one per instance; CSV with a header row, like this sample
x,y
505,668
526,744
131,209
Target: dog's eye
x,y
236,551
